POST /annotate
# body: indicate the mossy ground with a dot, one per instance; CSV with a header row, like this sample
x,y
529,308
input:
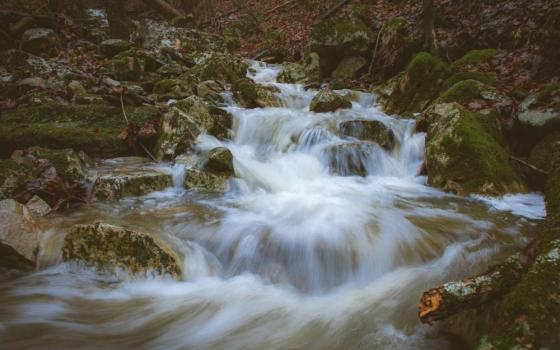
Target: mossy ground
x,y
478,76
475,57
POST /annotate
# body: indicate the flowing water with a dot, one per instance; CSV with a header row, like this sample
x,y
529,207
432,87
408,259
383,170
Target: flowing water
x,y
298,254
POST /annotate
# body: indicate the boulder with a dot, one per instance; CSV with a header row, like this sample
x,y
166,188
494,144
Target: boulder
x,y
106,246
132,65
220,160
301,73
545,152
348,68
38,207
175,88
111,47
210,89
368,130
221,66
75,88
541,110
329,101
413,90
350,159
206,181
250,95
337,38
121,182
19,237
476,57
171,70
69,164
12,174
464,153
39,41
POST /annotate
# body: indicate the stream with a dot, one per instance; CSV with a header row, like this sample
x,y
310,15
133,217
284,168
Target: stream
x,y
298,254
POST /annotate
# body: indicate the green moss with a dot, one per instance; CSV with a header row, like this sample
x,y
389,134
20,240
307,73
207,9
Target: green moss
x,y
463,91
246,89
478,76
231,38
339,30
474,57
548,149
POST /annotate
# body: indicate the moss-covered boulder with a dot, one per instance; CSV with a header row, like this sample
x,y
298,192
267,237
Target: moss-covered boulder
x,y
69,164
327,100
368,130
111,47
541,110
250,95
461,76
19,237
220,160
106,246
40,41
132,65
470,90
337,38
476,57
220,66
210,89
304,72
545,152
174,88
413,90
464,154
122,182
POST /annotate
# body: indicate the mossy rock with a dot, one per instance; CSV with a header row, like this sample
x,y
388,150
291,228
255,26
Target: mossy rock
x,y
69,164
220,160
93,129
131,65
541,110
475,57
544,152
327,100
119,183
337,38
463,155
478,76
417,86
106,246
12,174
304,72
206,181
251,95
220,66
471,90
19,237
368,130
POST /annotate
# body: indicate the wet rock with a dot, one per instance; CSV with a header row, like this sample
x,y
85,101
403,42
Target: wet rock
x,y
337,38
111,47
38,207
19,236
108,246
305,72
368,130
464,153
220,66
206,181
223,123
329,101
39,41
350,159
220,160
123,182
250,95
413,90
348,68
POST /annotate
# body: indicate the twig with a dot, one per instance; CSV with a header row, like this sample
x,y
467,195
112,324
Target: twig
x,y
147,152
279,6
122,109
375,50
529,165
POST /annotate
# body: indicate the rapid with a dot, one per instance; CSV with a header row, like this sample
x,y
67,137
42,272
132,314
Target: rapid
x,y
300,253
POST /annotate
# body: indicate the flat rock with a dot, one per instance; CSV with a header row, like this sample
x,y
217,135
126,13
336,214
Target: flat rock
x,y
119,183
19,236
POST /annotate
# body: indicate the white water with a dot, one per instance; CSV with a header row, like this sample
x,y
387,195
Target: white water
x,y
293,257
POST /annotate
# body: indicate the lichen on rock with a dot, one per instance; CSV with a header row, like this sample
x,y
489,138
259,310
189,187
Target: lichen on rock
x,y
327,100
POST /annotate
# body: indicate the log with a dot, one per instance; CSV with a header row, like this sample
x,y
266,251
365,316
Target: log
x,y
163,6
453,297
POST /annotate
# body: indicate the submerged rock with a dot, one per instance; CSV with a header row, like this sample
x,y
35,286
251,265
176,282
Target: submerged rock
x,y
329,101
465,155
107,246
119,183
368,130
39,41
19,236
349,159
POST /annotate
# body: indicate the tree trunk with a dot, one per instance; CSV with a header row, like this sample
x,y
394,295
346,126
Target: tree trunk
x,y
118,19
160,5
428,22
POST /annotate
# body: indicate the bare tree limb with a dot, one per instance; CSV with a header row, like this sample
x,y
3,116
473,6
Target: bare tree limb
x,y
163,6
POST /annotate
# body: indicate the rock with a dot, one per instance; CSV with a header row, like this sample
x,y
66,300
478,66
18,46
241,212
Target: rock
x,y
210,89
111,47
38,207
337,38
69,165
301,73
412,91
206,181
223,123
163,35
76,88
171,70
220,66
122,182
220,160
463,154
132,65
28,84
542,109
545,152
475,57
250,95
89,99
12,175
19,237
368,130
329,101
348,68
39,41
350,159
108,246
175,88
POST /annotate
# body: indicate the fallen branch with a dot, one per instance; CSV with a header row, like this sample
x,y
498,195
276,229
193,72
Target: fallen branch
x,y
529,165
335,9
375,50
454,297
285,3
163,6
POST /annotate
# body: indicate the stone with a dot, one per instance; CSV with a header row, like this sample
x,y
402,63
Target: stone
x,y
206,181
368,130
351,159
220,66
210,89
107,246
122,182
76,88
305,72
171,70
32,83
220,160
158,34
337,38
38,207
329,101
348,68
39,41
251,95
132,65
19,237
69,164
464,153
111,47
174,88
541,110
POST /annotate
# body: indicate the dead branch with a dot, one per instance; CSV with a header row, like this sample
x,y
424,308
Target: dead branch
x,y
285,3
375,50
335,9
529,165
161,5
